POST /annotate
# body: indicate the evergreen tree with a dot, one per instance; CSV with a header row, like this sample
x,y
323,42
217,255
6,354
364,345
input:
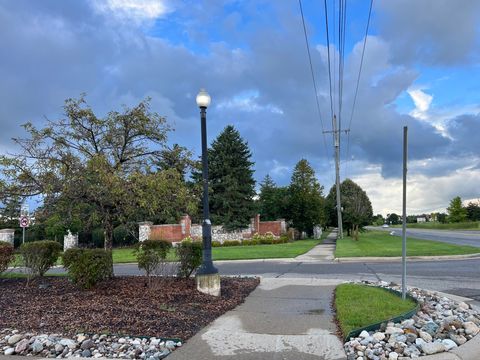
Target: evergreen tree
x,y
232,186
273,201
456,211
306,203
473,211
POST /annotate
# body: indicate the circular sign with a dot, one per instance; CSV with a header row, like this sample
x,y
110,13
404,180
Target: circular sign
x,y
24,221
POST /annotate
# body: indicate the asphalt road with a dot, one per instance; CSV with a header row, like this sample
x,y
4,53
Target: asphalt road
x,y
459,277
457,237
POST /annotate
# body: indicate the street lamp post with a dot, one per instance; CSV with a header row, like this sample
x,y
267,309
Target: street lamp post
x,y
208,279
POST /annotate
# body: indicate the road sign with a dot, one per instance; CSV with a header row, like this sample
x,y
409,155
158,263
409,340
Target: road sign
x,y
24,221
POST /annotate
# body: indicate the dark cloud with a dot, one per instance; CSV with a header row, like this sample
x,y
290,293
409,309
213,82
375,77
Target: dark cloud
x,y
433,32
256,72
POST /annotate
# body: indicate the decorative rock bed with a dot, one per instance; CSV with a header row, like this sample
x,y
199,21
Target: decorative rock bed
x,y
13,342
440,325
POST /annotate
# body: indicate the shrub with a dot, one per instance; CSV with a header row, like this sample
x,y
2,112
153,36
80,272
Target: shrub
x,y
232,243
6,255
216,244
277,241
39,256
254,242
151,254
122,237
87,267
247,242
190,257
284,238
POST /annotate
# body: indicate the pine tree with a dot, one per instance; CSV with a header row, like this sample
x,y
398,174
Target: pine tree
x,y
456,211
273,200
306,200
232,186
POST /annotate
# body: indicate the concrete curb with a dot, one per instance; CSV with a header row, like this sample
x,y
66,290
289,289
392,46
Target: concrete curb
x,y
411,258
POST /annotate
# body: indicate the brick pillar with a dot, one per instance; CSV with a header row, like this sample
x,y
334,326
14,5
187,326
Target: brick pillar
x,y
256,223
70,241
186,223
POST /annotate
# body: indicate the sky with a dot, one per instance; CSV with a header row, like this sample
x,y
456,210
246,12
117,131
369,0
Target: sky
x,y
421,69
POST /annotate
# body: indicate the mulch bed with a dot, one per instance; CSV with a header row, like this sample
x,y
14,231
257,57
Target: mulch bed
x,y
170,308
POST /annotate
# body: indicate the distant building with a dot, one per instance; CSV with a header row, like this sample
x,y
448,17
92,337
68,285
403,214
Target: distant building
x,y
421,219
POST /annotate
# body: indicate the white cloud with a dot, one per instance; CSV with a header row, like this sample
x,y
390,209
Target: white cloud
x,y
424,193
137,11
422,102
248,101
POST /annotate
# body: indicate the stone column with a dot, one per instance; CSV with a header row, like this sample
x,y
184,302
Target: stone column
x,y
144,230
317,232
70,241
283,226
8,235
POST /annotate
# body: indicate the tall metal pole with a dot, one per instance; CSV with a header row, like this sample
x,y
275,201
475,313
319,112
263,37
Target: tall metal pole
x,y
404,224
207,265
336,133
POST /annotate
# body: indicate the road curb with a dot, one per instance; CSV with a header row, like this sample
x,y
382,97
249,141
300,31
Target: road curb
x,y
399,258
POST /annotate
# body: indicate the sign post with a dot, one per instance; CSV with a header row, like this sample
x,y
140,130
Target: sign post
x,y
24,219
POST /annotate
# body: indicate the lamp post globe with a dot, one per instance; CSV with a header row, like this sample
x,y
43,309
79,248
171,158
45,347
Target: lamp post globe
x,y
203,99
208,280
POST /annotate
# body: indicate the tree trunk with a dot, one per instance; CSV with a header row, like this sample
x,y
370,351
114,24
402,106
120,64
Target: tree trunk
x,y
356,232
108,232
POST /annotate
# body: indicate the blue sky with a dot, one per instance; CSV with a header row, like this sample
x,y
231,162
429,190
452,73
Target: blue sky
x,y
421,69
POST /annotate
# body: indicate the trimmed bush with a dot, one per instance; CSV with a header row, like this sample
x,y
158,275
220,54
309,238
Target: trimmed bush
x,y
6,255
151,254
254,242
216,244
189,255
284,238
232,243
247,242
87,267
40,256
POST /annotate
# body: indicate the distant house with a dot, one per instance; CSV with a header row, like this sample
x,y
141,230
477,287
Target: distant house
x,y
421,219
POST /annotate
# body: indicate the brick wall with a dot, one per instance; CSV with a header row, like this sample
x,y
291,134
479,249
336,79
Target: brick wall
x,y
178,232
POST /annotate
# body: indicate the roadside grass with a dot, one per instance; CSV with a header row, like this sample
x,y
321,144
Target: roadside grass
x,y
382,244
288,250
361,305
471,225
17,275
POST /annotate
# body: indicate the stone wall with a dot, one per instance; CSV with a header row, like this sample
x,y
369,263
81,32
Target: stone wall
x,y
7,235
178,232
70,241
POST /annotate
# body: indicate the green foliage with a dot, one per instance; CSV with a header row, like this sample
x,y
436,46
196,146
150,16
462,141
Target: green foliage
x,y
216,243
9,210
456,211
247,243
231,243
273,201
150,254
306,203
40,256
473,211
87,267
231,180
83,160
7,255
378,220
357,208
189,254
393,219
122,236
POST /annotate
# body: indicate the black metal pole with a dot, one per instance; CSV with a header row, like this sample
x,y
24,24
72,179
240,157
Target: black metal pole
x,y
207,265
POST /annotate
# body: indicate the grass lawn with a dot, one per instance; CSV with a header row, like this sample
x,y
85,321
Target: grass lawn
x,y
380,243
288,250
16,275
360,305
471,225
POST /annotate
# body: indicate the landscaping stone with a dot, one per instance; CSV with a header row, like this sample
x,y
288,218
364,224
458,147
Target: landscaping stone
x,y
87,346
439,325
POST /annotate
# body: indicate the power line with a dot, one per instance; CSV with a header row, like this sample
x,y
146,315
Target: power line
x,y
329,62
313,75
358,79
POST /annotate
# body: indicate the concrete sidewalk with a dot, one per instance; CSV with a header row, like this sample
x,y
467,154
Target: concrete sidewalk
x,y
324,252
282,319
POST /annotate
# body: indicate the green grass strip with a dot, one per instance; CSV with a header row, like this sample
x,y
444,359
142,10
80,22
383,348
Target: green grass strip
x,y
382,244
358,306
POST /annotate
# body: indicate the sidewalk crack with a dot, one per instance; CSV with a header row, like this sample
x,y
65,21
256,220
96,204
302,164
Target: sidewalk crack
x,y
372,271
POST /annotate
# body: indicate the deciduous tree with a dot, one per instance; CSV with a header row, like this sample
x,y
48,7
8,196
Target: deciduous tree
x,y
456,211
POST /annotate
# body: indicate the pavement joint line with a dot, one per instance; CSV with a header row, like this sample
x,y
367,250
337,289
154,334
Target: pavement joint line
x,y
409,258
